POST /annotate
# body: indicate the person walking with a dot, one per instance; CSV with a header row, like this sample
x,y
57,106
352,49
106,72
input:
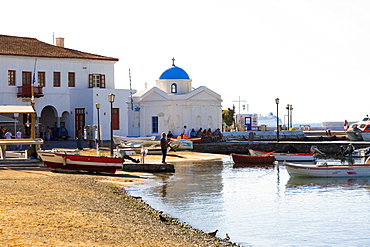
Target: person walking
x,y
8,135
48,135
345,125
164,145
19,135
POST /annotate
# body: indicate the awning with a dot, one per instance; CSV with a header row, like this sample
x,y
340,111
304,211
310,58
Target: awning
x,y
4,119
16,109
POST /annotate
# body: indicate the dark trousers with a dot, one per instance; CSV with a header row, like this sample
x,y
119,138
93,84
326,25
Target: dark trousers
x,y
164,154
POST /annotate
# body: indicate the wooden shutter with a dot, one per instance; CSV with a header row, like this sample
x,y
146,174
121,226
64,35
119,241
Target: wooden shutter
x,y
91,79
102,81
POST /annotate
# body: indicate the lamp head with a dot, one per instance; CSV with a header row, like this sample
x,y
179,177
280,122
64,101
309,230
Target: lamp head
x,y
97,105
277,100
111,97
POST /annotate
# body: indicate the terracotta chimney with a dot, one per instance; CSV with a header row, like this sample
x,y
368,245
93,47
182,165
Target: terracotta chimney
x,y
59,42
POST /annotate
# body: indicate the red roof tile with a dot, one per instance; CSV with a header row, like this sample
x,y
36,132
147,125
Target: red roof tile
x,y
22,46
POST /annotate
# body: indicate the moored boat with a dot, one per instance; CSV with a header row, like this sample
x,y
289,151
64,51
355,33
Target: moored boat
x,y
359,131
325,170
193,139
253,159
289,157
69,160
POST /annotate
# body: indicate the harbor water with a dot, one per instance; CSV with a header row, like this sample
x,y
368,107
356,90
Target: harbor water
x,y
263,206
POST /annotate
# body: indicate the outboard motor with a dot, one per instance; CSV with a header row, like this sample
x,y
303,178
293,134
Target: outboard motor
x,y
341,152
349,150
316,150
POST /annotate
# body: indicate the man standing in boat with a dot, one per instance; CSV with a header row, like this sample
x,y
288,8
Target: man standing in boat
x,y
164,145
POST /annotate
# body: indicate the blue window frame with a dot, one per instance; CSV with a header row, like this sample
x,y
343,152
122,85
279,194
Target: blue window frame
x,y
155,124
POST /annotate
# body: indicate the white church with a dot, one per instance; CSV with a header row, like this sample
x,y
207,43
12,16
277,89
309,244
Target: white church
x,y
172,104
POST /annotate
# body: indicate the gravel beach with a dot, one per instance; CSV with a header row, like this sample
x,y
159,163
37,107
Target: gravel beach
x,y
41,207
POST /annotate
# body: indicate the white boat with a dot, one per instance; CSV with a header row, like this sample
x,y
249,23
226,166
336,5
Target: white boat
x,y
121,139
289,157
325,170
359,131
181,144
72,160
150,145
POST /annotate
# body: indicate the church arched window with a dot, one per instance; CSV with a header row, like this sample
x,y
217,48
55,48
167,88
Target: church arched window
x,y
174,88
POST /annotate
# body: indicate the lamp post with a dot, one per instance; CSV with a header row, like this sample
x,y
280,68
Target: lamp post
x,y
277,119
291,113
111,100
98,108
287,107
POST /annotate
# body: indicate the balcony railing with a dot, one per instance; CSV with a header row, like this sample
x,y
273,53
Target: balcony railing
x,y
24,91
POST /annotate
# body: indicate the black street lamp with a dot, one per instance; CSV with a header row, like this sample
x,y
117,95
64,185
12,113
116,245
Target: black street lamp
x,y
98,108
111,100
277,119
287,107
291,113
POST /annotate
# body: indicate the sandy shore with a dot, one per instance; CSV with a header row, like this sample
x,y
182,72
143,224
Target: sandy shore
x,y
40,207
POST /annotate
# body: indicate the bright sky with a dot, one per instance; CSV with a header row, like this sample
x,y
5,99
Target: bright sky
x,y
313,54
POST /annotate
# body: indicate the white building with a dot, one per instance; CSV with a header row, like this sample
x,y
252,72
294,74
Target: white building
x,y
68,84
173,104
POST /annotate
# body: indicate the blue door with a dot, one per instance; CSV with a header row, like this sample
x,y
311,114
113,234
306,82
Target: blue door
x,y
248,123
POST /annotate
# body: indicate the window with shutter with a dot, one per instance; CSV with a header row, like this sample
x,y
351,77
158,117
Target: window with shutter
x,y
97,80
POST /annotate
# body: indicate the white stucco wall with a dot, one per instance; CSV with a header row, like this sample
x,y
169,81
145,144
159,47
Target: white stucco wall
x,y
63,100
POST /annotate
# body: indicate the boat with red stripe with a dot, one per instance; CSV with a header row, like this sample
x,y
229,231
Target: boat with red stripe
x,y
326,170
70,160
288,157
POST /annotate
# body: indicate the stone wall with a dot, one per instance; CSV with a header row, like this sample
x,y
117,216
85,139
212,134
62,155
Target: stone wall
x,y
262,135
241,147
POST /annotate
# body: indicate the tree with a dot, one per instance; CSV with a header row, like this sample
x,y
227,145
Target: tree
x,y
228,117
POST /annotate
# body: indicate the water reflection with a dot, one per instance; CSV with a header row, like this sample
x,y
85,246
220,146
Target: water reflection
x,y
199,181
262,206
243,165
294,182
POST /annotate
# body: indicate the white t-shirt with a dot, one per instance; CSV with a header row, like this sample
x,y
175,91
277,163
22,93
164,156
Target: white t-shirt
x,y
8,135
18,135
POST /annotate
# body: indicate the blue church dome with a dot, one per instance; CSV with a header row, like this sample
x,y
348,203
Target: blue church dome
x,y
174,73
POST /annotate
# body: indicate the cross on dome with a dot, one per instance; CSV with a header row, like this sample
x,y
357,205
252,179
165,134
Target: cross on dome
x,y
173,61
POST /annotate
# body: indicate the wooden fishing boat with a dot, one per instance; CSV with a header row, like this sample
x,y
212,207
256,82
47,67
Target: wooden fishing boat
x,y
288,157
70,160
253,159
331,171
193,139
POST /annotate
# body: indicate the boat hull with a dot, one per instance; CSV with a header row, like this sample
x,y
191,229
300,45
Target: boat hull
x,y
365,135
67,161
193,139
303,170
181,144
354,136
251,159
288,157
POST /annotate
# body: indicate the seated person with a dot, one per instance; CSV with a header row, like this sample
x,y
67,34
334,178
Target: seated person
x,y
169,135
193,133
200,133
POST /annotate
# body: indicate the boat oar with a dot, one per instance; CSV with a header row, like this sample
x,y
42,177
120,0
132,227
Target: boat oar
x,y
171,148
268,154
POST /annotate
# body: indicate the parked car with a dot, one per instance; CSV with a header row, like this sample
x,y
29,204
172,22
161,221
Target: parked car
x,y
59,133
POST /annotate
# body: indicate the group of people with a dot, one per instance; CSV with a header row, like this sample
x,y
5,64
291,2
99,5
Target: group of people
x,y
7,134
207,135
